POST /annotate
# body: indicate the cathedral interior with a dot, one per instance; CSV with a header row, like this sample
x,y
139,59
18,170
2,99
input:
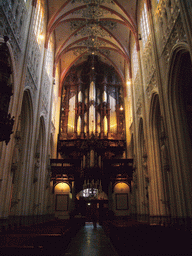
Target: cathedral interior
x,y
95,113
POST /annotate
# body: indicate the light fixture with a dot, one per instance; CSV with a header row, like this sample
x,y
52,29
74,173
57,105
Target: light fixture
x,y
90,44
92,26
121,108
97,2
41,37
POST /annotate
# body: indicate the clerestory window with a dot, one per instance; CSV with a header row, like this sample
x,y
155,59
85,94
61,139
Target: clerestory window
x,y
144,25
38,22
134,61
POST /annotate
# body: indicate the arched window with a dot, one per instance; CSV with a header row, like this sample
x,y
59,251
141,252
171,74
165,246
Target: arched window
x,y
38,22
134,61
144,25
49,58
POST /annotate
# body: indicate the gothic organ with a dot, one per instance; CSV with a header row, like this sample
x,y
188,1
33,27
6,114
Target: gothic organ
x,y
91,103
92,118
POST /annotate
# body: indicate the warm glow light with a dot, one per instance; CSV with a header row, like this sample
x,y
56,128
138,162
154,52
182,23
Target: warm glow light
x,y
121,108
80,97
121,187
105,126
72,126
104,96
113,125
79,125
71,115
113,114
128,82
41,37
62,187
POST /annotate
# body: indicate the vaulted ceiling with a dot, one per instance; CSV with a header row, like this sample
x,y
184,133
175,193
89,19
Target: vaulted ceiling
x,y
98,27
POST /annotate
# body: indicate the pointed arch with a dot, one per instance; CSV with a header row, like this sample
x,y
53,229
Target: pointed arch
x,y
179,113
22,174
160,160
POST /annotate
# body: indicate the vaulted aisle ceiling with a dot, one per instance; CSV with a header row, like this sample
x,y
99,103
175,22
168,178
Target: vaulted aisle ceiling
x,y
97,27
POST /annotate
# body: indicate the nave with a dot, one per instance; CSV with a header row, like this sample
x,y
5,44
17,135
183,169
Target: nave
x,y
91,241
76,237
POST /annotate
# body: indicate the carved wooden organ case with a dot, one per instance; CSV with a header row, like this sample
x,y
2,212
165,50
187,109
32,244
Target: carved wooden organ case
x,y
92,115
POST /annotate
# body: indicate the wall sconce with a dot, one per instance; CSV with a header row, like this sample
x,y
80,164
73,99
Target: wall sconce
x,y
139,37
41,37
128,82
6,121
121,108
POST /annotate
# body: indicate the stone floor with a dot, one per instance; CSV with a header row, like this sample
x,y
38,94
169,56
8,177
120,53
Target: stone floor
x,y
90,241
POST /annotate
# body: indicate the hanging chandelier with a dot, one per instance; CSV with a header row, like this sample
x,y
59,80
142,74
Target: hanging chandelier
x,y
92,51
98,2
92,42
93,46
92,26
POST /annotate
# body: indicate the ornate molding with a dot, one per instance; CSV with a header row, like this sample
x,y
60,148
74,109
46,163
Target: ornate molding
x,y
46,86
13,23
177,35
34,59
148,61
169,19
5,29
152,84
31,83
139,107
137,87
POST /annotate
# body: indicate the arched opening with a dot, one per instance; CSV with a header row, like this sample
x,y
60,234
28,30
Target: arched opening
x,y
62,198
159,186
21,176
121,199
184,94
180,114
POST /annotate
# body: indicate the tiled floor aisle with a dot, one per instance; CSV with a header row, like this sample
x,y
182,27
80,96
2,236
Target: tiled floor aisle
x,y
90,241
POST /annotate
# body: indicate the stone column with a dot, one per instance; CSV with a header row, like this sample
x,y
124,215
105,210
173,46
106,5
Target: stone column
x,y
72,202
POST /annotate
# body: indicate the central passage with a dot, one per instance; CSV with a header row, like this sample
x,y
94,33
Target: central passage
x,y
90,241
